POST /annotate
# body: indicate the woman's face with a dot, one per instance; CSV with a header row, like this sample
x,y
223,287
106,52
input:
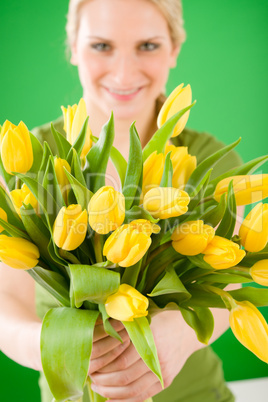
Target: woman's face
x,y
123,52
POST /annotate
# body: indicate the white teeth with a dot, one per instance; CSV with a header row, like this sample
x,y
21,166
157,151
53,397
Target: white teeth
x,y
120,92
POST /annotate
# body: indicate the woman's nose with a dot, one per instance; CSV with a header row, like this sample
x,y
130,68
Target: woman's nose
x,y
125,70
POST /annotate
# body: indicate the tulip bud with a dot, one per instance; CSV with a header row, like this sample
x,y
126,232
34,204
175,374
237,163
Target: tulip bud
x,y
222,253
126,304
3,216
106,210
144,226
183,165
63,181
177,100
153,169
259,272
248,189
18,253
166,202
254,229
74,118
192,237
127,244
70,227
23,196
250,328
16,148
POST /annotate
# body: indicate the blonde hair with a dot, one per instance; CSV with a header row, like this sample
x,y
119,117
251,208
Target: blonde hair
x,y
171,9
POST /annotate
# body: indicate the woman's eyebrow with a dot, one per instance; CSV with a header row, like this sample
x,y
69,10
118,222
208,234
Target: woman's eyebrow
x,y
151,38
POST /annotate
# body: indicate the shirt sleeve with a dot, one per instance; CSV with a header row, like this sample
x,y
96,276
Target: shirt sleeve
x,y
203,145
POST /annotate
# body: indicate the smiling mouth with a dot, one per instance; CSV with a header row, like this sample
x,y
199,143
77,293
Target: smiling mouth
x,y
123,91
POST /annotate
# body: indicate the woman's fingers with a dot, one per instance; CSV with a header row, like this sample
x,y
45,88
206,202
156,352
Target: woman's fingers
x,y
148,393
102,361
106,344
131,391
120,378
99,331
125,360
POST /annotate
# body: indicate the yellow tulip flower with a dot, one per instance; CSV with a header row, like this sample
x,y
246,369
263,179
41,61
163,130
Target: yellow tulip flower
x,y
18,253
106,210
250,328
153,169
74,118
70,227
25,196
222,253
166,202
126,304
145,226
127,244
254,229
3,216
177,100
192,237
59,165
16,148
248,189
259,272
183,165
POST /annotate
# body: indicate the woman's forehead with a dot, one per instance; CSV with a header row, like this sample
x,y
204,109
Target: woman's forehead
x,y
105,18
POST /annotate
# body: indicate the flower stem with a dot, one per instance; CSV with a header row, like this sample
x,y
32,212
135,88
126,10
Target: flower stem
x,y
226,297
98,247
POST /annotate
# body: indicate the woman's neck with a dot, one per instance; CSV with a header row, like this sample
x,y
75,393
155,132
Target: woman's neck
x,y
145,125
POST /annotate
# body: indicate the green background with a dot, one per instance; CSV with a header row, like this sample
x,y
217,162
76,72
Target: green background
x,y
224,59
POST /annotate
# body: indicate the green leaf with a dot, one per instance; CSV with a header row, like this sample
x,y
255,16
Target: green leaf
x,y
227,225
50,183
62,144
77,170
214,214
80,139
82,194
251,258
162,135
9,179
256,296
47,202
53,282
130,275
66,344
141,336
92,283
137,212
198,261
37,231
201,320
13,230
46,154
37,155
202,169
134,168
170,283
166,180
118,161
98,157
109,329
226,278
7,206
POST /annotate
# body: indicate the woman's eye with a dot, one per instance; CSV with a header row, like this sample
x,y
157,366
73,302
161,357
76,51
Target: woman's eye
x,y
148,46
101,47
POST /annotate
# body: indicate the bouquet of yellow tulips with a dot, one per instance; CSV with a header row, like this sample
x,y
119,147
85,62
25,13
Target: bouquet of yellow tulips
x,y
165,241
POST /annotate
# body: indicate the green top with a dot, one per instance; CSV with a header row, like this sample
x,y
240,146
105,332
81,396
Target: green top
x,y
201,379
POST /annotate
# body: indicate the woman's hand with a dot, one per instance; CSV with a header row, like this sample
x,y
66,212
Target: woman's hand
x,y
128,378
105,348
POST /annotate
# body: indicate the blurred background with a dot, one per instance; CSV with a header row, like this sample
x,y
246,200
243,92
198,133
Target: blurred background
x,y
225,59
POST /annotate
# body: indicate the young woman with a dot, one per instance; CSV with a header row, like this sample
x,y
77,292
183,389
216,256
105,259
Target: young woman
x,y
124,50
